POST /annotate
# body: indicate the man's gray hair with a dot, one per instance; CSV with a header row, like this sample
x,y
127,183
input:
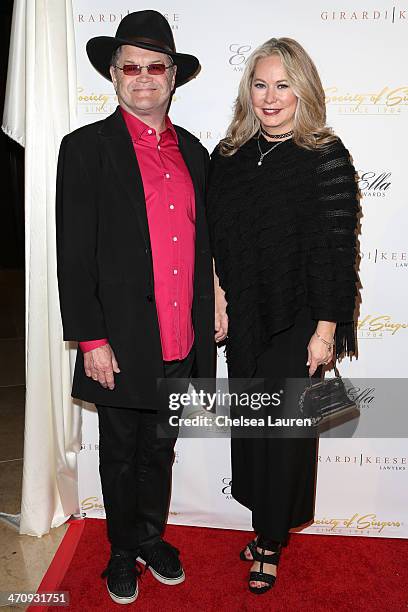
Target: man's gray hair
x,y
115,56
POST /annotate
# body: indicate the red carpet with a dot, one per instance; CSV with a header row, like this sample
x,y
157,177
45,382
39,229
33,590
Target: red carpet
x,y
316,574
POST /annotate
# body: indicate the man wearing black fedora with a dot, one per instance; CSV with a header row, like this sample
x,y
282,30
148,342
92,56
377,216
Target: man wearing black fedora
x,y
135,282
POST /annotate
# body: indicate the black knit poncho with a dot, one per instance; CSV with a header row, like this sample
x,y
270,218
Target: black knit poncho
x,y
283,236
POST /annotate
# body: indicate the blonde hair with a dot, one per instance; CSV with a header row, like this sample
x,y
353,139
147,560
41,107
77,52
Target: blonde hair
x,y
310,130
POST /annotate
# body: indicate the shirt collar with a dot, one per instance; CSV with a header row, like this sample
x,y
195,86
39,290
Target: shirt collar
x,y
138,128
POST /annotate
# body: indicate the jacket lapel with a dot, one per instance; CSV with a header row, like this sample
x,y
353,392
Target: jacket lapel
x,y
120,151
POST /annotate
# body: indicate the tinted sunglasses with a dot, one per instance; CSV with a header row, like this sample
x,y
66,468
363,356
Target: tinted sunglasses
x,y
135,69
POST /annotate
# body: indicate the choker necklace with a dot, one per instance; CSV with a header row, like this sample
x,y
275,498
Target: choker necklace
x,y
276,144
276,136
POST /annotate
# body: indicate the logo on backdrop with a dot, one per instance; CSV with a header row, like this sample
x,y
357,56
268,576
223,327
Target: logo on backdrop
x,y
89,447
100,17
390,14
238,55
382,101
205,135
364,395
396,259
92,505
226,487
358,524
384,463
99,103
95,103
374,183
379,327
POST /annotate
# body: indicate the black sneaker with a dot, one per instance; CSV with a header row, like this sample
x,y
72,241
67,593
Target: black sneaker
x,y
162,559
122,573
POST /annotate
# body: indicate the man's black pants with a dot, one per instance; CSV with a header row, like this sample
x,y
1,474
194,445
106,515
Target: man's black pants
x,y
135,467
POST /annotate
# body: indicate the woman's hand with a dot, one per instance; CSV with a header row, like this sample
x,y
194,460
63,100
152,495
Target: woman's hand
x,y
318,352
221,317
221,326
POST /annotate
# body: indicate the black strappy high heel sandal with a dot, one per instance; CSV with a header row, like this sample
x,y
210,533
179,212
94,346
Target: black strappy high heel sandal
x,y
251,547
274,549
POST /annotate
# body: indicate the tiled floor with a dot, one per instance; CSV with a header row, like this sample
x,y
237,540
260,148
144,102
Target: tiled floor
x,y
23,559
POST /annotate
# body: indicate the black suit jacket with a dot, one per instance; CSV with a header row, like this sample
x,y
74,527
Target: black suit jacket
x,y
105,270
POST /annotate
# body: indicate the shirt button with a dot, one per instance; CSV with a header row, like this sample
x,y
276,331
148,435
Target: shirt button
x,y
167,175
175,271
174,238
175,304
158,146
150,131
171,206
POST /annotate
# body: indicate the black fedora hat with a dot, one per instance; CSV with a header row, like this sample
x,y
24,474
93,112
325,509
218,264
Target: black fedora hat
x,y
145,29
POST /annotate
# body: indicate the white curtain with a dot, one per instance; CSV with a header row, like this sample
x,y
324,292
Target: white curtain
x,y
39,110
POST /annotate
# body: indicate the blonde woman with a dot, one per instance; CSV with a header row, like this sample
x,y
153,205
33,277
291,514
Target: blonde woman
x,y
282,210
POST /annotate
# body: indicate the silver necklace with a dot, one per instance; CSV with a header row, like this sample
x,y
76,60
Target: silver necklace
x,y
276,144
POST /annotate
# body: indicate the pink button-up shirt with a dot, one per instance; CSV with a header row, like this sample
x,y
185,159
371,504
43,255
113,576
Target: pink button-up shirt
x,y
170,206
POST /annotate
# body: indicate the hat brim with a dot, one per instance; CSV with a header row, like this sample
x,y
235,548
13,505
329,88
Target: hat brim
x,y
101,48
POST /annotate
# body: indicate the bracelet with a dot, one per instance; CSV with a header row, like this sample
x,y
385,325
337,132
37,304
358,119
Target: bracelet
x,y
326,342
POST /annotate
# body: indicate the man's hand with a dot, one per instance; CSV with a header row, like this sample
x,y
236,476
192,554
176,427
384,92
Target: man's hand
x,y
100,364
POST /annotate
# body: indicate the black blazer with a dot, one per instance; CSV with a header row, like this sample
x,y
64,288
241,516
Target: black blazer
x,y
104,262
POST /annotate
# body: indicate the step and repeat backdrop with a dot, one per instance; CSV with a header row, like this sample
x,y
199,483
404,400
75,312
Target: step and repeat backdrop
x,y
360,52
